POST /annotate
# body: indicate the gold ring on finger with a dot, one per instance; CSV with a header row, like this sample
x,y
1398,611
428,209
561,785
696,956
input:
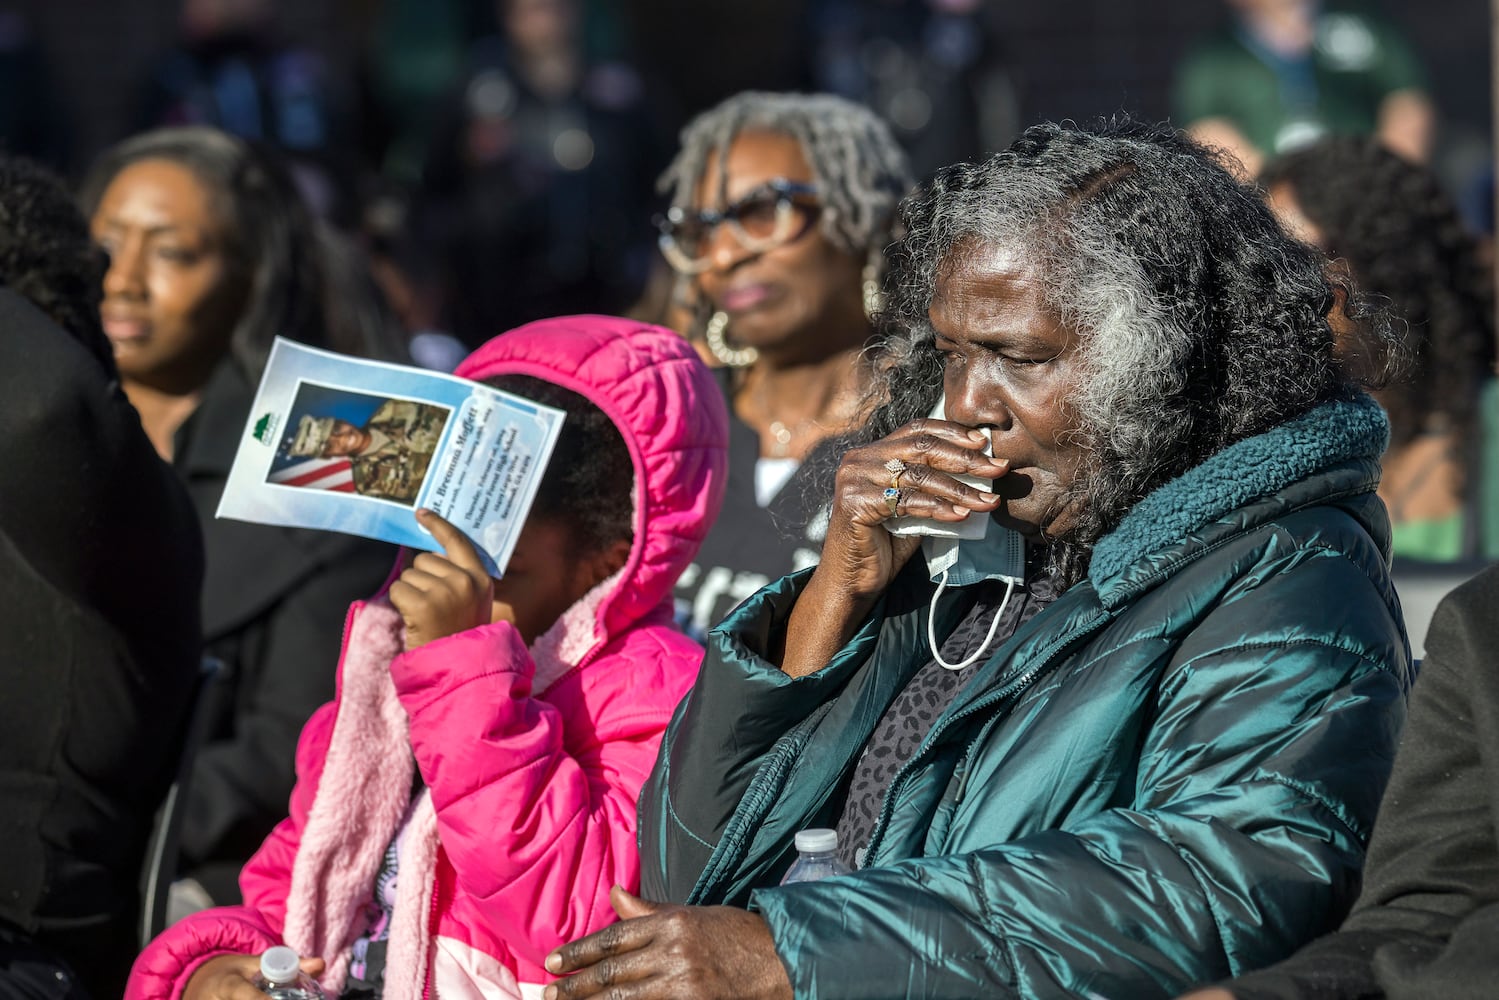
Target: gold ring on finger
x,y
896,468
892,499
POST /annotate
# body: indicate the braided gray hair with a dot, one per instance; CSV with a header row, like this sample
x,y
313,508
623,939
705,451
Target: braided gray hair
x,y
860,171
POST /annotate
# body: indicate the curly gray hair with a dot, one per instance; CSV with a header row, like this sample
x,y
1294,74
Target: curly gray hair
x,y
1200,322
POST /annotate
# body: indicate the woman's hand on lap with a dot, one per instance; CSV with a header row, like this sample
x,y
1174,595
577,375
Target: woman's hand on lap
x,y
659,951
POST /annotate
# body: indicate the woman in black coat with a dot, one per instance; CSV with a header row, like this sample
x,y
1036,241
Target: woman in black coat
x,y
212,255
100,565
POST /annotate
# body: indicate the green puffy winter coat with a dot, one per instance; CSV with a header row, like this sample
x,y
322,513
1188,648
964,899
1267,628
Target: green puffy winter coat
x,y
1166,777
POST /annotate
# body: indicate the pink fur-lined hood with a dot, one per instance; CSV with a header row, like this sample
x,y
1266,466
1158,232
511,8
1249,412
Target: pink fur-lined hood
x,y
662,398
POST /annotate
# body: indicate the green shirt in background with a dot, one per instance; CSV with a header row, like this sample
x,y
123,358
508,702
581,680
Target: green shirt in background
x,y
1337,88
1488,470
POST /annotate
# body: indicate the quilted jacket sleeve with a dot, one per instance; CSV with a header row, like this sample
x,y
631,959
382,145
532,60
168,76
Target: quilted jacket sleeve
x,y
737,709
538,822
162,970
1427,910
1252,801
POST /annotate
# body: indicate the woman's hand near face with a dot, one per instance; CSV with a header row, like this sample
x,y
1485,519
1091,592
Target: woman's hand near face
x,y
860,557
439,596
232,977
659,951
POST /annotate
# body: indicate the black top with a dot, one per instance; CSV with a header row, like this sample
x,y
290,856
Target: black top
x,y
749,545
1427,921
905,724
100,563
274,603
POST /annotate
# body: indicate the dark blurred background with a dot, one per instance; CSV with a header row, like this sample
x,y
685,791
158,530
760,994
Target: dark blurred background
x,y
1070,58
464,139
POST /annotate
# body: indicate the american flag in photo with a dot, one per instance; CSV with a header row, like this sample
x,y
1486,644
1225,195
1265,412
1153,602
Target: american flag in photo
x,y
335,474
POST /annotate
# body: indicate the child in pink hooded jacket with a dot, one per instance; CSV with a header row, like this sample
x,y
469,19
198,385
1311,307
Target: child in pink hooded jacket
x,y
468,799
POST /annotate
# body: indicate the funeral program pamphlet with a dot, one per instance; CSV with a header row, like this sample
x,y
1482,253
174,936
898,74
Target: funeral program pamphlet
x,y
357,446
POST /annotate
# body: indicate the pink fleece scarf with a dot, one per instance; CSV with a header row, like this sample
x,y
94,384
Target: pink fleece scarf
x,y
365,790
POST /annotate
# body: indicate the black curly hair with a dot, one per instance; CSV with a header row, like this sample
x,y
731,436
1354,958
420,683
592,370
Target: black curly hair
x,y
589,482
47,255
1392,223
1200,323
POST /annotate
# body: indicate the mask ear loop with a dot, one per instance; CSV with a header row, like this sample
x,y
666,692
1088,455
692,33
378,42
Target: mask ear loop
x,y
931,628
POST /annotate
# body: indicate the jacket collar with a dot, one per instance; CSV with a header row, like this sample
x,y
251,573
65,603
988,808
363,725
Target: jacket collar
x,y
1332,449
208,441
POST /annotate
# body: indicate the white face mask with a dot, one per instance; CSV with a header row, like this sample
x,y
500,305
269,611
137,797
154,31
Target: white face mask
x,y
959,555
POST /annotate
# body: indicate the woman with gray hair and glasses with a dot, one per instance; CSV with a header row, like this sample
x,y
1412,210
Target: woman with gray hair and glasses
x,y
782,206
1129,732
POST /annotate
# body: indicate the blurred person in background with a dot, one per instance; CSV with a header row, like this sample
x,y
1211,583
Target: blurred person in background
x,y
100,567
411,55
931,68
781,208
1284,73
230,70
539,175
401,262
1402,237
213,255
33,119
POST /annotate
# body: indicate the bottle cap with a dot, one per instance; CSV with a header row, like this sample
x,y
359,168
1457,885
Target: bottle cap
x,y
280,964
817,841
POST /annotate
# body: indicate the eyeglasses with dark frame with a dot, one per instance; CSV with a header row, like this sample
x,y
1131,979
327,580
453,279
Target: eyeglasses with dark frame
x,y
772,215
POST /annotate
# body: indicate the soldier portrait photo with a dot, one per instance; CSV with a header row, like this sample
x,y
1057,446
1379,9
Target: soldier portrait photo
x,y
351,442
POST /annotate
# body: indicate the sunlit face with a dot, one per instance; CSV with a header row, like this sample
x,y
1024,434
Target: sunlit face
x,y
779,299
546,576
1011,365
346,439
172,294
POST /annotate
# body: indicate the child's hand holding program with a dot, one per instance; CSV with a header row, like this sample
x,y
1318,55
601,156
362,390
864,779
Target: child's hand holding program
x,y
440,596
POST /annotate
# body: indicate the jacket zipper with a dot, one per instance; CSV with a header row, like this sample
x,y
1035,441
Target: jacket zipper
x,y
429,984
784,754
1010,690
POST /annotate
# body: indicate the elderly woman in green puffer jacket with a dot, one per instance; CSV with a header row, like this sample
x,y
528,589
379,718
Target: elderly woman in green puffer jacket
x,y
1131,739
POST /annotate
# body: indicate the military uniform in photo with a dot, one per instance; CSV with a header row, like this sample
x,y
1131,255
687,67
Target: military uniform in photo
x,y
403,438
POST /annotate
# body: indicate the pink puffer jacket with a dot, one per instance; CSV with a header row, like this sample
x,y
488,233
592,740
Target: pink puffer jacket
x,y
531,759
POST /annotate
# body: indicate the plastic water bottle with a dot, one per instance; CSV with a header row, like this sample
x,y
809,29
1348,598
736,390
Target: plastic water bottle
x,y
818,850
281,976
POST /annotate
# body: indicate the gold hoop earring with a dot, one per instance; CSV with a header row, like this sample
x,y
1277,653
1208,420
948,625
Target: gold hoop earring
x,y
716,335
874,299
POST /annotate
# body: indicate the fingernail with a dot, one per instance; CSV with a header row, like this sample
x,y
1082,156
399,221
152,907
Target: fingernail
x,y
978,435
550,993
554,966
960,509
988,497
999,462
